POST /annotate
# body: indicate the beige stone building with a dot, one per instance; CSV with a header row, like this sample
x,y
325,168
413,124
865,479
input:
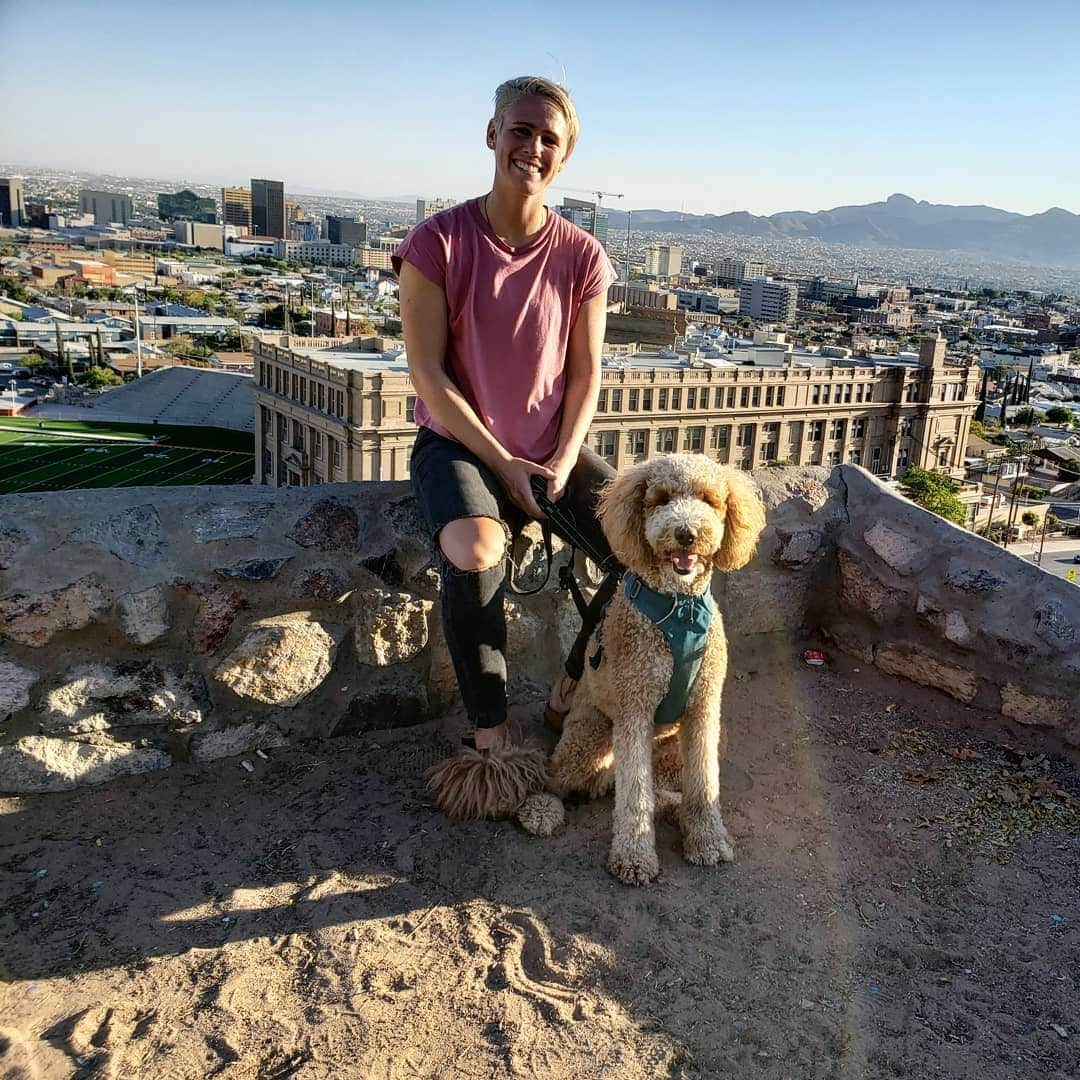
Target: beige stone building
x,y
326,411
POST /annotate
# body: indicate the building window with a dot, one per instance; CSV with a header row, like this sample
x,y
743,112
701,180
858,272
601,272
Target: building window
x,y
295,386
337,454
694,439
744,436
676,397
817,430
277,380
869,396
720,436
859,393
297,435
902,457
826,394
731,397
616,400
601,401
267,463
943,458
606,445
875,459
282,428
815,395
638,441
905,428
267,419
744,397
836,429
661,399
632,404
834,457
646,399
665,439
340,403
316,441
779,395
858,427
718,397
410,408
691,397
769,398
322,397
855,457
755,400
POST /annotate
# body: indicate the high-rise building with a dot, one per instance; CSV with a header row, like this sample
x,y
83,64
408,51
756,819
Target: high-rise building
x,y
268,208
106,206
12,207
186,206
763,298
425,208
663,260
734,271
236,208
586,215
341,230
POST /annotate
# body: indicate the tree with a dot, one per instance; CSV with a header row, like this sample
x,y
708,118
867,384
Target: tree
x,y
978,428
934,492
97,378
1027,417
1050,522
1029,517
1059,415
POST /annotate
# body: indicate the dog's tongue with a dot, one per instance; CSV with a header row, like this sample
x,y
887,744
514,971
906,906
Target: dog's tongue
x,y
684,563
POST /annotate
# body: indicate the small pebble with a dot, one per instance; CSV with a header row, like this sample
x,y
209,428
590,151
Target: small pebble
x,y
247,765
40,873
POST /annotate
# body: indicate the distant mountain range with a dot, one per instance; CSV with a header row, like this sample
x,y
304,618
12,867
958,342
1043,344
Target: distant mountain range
x,y
899,221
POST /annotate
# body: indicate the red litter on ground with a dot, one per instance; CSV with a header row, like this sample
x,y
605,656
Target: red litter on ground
x,y
814,657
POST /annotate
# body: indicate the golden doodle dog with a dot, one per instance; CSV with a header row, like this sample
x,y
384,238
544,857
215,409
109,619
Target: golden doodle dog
x,y
671,521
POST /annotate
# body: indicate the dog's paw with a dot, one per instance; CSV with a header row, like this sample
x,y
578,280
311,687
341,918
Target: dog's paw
x,y
707,846
633,865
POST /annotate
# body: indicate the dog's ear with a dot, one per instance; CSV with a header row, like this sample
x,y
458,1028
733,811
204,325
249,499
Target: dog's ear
x,y
743,522
621,510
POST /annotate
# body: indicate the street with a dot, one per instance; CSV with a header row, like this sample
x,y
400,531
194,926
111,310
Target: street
x,y
1058,555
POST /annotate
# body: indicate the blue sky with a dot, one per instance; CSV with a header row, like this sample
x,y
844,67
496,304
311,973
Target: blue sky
x,y
712,106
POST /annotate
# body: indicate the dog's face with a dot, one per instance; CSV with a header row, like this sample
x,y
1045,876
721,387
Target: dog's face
x,y
672,520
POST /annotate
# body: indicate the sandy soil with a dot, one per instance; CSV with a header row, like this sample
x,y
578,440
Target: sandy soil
x,y
315,918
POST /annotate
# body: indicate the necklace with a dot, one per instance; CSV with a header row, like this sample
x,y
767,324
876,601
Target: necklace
x,y
484,215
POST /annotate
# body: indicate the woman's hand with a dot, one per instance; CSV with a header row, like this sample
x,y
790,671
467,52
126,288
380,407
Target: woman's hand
x,y
560,467
515,474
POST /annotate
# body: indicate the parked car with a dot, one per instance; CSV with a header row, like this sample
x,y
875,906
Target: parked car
x,y
1076,557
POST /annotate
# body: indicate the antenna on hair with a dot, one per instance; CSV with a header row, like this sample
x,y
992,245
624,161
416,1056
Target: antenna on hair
x,y
560,63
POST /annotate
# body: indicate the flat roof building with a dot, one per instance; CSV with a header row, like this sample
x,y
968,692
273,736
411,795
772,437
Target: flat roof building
x,y
106,206
12,204
772,301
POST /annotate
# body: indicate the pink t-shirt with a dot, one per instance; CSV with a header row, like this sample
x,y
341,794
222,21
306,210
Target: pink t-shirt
x,y
511,311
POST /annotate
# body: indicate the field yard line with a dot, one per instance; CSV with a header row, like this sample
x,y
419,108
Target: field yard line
x,y
226,468
76,434
186,471
139,477
112,469
46,469
165,469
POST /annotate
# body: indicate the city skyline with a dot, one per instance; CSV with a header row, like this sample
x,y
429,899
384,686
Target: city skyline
x,y
717,112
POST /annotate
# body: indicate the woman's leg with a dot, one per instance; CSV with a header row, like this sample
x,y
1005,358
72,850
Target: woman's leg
x,y
459,499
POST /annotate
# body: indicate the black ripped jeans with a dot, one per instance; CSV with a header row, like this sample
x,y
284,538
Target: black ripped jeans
x,y
451,482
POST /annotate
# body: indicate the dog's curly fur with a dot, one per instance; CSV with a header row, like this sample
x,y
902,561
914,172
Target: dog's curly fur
x,y
661,517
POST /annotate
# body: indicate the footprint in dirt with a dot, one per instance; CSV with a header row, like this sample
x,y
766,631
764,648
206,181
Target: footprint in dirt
x,y
22,1057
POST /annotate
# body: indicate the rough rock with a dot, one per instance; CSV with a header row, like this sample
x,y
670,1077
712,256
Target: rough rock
x,y
901,552
253,569
281,660
864,592
798,548
918,665
35,619
849,641
322,583
962,575
390,626
386,698
133,535
764,602
144,615
1053,626
327,526
529,557
1033,708
443,692
12,543
15,683
97,697
233,522
957,629
228,742
38,763
218,608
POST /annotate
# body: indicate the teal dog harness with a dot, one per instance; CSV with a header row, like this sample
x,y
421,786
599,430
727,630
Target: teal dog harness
x,y
684,622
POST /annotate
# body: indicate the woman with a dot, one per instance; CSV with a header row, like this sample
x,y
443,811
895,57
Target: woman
x,y
503,305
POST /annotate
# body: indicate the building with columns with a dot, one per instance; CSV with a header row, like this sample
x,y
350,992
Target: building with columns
x,y
327,411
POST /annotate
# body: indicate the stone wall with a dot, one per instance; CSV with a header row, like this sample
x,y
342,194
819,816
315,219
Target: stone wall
x,y
921,598
143,626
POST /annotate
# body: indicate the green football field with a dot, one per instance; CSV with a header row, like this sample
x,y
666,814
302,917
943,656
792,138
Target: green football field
x,y
61,456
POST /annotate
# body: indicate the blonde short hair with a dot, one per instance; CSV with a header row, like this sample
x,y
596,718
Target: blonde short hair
x,y
513,90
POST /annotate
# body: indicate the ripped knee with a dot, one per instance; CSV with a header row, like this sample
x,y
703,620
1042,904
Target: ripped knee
x,y
473,543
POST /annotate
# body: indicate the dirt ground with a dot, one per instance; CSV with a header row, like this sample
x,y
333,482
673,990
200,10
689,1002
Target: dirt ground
x,y
316,918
